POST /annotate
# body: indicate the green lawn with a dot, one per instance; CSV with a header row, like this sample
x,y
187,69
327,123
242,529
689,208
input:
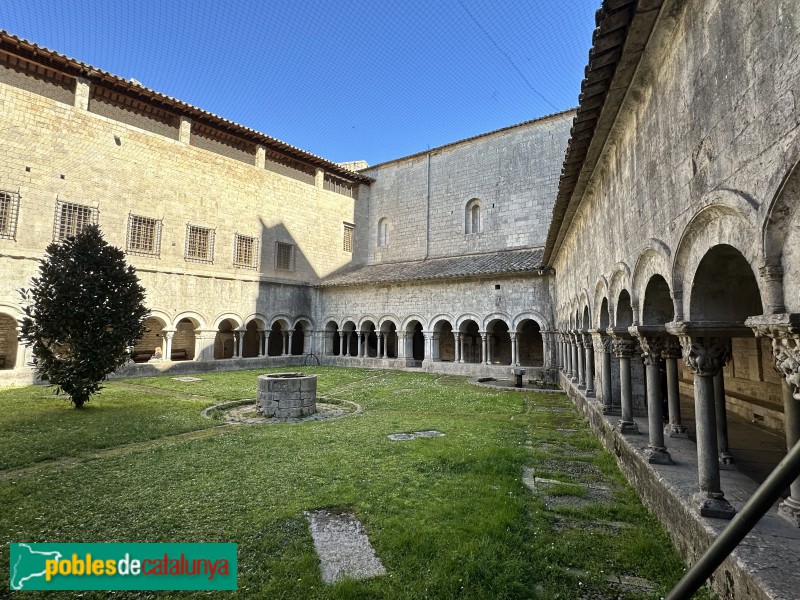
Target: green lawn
x,y
449,517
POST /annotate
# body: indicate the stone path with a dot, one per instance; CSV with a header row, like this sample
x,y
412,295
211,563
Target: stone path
x,y
342,546
397,437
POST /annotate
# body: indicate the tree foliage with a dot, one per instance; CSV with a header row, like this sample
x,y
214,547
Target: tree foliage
x,y
82,314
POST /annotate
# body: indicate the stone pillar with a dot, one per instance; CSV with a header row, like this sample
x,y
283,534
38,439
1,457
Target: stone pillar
x,y
261,157
656,452
784,330
167,350
361,347
484,354
401,344
725,456
670,353
463,339
514,361
384,353
82,92
608,394
457,349
574,364
288,343
261,343
581,365
204,344
342,338
240,335
624,349
705,356
589,364
185,130
435,346
773,289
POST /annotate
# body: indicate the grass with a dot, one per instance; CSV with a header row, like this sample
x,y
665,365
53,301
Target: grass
x,y
449,516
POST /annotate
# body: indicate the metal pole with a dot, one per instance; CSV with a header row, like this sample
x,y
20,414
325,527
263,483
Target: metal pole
x,y
784,474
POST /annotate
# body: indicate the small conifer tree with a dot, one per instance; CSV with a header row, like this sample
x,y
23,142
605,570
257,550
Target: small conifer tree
x,y
82,314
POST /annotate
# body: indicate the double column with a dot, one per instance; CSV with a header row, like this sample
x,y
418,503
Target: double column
x,y
602,348
624,348
652,341
706,349
784,331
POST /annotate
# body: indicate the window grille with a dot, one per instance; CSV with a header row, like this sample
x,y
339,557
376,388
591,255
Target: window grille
x,y
245,251
144,235
284,256
71,218
340,186
347,244
9,208
199,244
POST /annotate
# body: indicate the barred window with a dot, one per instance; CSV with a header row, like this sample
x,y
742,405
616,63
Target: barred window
x,y
284,256
347,244
144,235
9,207
71,218
340,186
199,244
245,251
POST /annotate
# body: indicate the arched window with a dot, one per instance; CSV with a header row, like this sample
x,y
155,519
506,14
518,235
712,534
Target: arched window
x,y
383,232
472,217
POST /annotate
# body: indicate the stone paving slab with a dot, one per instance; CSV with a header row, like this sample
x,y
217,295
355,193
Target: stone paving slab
x,y
342,546
187,379
400,437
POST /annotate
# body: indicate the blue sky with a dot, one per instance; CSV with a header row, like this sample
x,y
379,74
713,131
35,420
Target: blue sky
x,y
347,80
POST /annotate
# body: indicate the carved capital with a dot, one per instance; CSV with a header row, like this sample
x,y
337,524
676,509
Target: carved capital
x,y
671,348
652,347
705,356
786,350
623,348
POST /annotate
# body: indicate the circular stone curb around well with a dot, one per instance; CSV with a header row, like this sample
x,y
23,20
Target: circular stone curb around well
x,y
325,412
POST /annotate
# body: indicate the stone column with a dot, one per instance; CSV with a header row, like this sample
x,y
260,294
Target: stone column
x,y
204,344
784,330
608,394
379,342
514,361
261,343
705,356
287,350
624,349
589,364
362,347
671,352
725,456
484,354
167,351
652,347
435,346
773,289
581,365
240,335
385,338
457,349
342,339
574,366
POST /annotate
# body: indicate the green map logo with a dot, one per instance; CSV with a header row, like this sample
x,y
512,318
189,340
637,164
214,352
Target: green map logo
x,y
84,566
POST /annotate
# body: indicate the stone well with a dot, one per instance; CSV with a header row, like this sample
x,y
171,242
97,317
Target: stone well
x,y
287,395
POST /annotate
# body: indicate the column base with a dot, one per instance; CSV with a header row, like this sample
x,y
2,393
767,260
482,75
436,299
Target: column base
x,y
627,427
726,459
676,431
581,386
717,508
610,410
590,394
789,510
658,456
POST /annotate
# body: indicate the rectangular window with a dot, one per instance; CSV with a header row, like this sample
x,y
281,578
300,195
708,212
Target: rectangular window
x,y
144,235
284,256
245,252
71,218
9,207
199,244
347,244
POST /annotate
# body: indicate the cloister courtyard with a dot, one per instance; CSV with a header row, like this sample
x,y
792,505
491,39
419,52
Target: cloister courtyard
x,y
516,500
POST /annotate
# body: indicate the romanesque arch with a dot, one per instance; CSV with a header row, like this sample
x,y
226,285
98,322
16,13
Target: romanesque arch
x,y
444,341
654,259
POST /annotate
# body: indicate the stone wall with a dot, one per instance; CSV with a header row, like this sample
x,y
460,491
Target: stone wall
x,y
513,172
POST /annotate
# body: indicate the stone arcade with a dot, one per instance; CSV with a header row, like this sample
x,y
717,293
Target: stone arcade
x,y
644,248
